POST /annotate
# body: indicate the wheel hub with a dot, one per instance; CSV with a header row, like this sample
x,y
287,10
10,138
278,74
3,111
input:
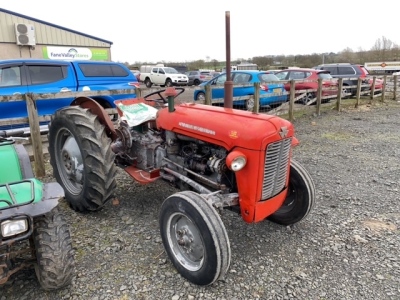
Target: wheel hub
x,y
72,160
186,242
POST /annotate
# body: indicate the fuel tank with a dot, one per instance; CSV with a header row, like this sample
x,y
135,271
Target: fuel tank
x,y
225,126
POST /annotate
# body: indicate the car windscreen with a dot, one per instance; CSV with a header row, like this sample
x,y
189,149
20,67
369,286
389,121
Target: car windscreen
x,y
170,71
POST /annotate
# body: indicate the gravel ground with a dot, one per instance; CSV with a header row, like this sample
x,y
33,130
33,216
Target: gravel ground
x,y
348,248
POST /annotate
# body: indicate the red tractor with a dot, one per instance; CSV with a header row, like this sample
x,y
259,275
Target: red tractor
x,y
219,158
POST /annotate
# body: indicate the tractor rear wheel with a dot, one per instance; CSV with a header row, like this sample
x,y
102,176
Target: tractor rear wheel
x,y
53,248
82,159
195,238
300,198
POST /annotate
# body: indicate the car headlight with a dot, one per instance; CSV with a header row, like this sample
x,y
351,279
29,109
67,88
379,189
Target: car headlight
x,y
13,227
236,161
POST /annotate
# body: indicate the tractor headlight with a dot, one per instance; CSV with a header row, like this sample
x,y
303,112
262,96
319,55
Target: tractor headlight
x,y
236,161
13,227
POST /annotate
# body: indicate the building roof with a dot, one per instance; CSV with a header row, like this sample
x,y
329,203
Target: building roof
x,y
53,25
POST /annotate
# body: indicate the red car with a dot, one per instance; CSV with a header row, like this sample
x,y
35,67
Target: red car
x,y
378,82
308,80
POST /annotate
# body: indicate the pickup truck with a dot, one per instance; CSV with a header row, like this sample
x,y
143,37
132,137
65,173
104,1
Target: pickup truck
x,y
42,76
162,76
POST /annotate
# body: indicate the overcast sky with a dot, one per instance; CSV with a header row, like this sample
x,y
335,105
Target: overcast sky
x,y
184,30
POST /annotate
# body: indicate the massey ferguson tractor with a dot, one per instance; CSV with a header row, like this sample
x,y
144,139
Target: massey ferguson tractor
x,y
218,158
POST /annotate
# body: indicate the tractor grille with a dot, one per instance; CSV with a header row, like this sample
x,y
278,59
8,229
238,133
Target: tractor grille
x,y
276,168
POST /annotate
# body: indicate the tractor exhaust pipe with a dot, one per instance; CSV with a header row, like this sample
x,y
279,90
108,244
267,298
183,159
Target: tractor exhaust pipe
x,y
228,85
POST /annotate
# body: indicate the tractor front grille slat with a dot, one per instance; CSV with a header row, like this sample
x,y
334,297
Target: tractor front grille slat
x,y
276,168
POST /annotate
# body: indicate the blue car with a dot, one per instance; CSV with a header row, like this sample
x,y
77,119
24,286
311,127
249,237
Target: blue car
x,y
46,76
272,92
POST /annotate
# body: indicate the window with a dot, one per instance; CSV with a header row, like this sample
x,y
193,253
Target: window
x,y
45,74
103,70
296,75
332,70
154,70
346,71
10,76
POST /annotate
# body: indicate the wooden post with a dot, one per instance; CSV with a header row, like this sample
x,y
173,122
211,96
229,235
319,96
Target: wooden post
x,y
138,92
319,97
291,101
256,108
339,94
383,89
208,94
358,93
371,96
35,135
395,88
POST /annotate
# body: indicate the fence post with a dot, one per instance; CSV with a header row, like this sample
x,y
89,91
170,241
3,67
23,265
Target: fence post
x,y
358,93
256,108
208,94
383,89
319,96
35,138
291,101
339,94
138,92
395,87
371,96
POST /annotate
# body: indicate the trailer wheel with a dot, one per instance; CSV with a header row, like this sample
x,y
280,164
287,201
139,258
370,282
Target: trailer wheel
x,y
195,238
300,198
82,159
53,248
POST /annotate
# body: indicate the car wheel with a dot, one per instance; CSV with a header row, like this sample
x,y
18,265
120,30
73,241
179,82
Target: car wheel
x,y
196,82
308,99
249,104
201,97
168,83
345,92
148,83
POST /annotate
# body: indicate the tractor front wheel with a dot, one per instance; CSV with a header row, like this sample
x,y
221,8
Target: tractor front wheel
x,y
300,198
82,159
195,238
53,248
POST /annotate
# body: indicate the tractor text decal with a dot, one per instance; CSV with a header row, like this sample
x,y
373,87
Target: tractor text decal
x,y
197,128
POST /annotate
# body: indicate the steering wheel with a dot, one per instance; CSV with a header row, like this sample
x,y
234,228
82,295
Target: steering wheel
x,y
162,99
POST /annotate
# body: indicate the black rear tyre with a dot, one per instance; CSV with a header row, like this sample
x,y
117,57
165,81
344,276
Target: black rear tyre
x,y
54,253
194,238
300,198
82,159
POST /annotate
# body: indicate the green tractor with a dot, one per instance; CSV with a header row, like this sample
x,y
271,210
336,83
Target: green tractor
x,y
34,232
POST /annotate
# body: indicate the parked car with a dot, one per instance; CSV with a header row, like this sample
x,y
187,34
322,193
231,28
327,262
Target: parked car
x,y
350,73
44,76
215,74
244,86
197,77
308,80
136,73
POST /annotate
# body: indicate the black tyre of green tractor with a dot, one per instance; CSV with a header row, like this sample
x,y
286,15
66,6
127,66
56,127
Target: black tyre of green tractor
x,y
82,159
55,263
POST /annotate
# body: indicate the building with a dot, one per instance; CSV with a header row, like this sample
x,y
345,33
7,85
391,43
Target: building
x,y
26,37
